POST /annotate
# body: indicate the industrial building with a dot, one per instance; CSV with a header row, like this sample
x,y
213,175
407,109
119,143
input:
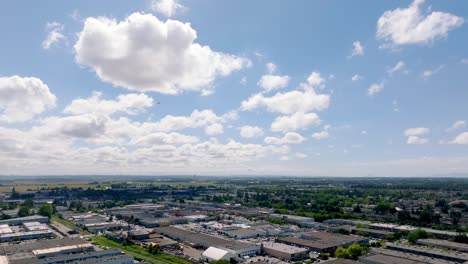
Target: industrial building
x,y
57,251
26,219
428,252
295,219
28,230
385,256
214,254
444,244
285,252
244,233
323,242
239,249
370,232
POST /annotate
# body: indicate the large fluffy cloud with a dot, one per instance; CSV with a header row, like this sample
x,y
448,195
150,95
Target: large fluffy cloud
x,y
145,54
295,122
415,135
288,138
126,103
251,131
289,102
404,26
461,139
198,118
272,82
21,98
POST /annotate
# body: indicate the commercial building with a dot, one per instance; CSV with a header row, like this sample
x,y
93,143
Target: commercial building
x,y
244,233
239,249
214,254
294,219
370,232
428,252
444,244
323,242
99,228
59,251
285,252
26,219
385,256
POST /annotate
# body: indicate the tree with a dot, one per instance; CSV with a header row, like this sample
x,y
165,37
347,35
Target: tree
x,y
455,217
29,203
47,210
356,250
418,234
342,253
14,194
352,252
24,211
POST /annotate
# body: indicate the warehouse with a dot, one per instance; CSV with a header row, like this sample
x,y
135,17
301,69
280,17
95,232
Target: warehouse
x,y
323,242
214,254
444,244
239,249
244,233
422,251
285,252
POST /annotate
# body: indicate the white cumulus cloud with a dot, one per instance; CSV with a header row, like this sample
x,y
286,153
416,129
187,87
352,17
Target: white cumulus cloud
x,y
396,68
214,129
295,122
167,7
143,53
358,49
415,135
289,102
316,80
375,88
251,131
321,135
406,26
417,131
356,78
21,98
127,103
457,125
54,34
461,139
273,82
288,138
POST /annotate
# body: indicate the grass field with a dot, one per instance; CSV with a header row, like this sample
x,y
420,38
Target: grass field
x,y
69,224
139,253
24,186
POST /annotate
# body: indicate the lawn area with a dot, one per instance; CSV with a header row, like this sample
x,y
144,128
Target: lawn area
x,y
56,218
139,253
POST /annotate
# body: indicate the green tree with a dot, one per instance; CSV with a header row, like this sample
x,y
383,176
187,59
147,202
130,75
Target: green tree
x,y
342,253
29,203
47,210
356,250
418,234
24,211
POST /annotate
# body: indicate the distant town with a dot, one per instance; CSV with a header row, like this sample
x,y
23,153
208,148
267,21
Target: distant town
x,y
233,220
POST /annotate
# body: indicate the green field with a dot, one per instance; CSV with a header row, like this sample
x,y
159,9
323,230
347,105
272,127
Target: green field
x,y
139,253
69,224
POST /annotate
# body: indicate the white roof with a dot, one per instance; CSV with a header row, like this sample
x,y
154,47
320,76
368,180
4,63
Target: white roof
x,y
213,253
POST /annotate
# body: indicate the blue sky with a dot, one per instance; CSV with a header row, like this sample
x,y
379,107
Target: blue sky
x,y
313,88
